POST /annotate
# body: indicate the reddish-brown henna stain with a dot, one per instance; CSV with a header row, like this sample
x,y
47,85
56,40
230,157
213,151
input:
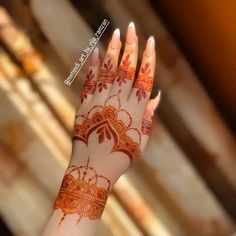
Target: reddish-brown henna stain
x,y
144,82
125,72
107,125
103,132
89,86
106,75
80,193
146,127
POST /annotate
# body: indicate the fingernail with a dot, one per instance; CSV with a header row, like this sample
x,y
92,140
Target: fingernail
x,y
115,41
150,46
156,102
131,34
95,57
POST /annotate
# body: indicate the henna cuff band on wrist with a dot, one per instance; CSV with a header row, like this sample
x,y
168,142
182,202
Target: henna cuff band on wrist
x,y
82,196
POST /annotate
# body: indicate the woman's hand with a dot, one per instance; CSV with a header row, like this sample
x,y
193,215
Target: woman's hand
x,y
114,119
112,126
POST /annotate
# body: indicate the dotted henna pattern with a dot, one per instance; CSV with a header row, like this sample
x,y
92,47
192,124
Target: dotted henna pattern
x,y
79,193
107,125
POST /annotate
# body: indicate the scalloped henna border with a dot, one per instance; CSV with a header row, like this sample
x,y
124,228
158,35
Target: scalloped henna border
x,y
108,125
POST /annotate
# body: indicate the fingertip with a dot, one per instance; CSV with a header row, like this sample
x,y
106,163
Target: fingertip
x,y
158,98
96,51
150,46
115,40
116,33
131,34
156,101
95,57
131,25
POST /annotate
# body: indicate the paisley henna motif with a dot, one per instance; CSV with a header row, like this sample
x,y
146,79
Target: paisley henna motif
x,y
125,72
107,124
106,75
89,86
144,82
80,194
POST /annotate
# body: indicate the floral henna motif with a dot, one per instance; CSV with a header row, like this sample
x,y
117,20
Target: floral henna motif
x,y
144,82
106,122
103,132
141,93
127,61
79,193
106,75
89,86
146,127
125,72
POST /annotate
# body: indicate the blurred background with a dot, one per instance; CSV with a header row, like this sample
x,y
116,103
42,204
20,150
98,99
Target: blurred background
x,y
185,184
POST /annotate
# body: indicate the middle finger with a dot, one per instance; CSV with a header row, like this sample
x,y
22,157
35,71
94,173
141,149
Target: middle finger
x,y
125,74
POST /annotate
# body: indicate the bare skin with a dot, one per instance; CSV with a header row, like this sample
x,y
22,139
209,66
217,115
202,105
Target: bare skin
x,y
112,127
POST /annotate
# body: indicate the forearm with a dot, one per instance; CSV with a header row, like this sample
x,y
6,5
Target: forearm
x,y
80,201
70,226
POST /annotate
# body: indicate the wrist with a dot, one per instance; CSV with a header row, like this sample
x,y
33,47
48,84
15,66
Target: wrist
x,y
103,164
87,183
82,194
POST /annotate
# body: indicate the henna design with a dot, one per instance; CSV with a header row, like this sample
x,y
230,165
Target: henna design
x,y
89,86
108,65
79,193
125,72
146,127
106,75
107,124
141,94
144,82
126,62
